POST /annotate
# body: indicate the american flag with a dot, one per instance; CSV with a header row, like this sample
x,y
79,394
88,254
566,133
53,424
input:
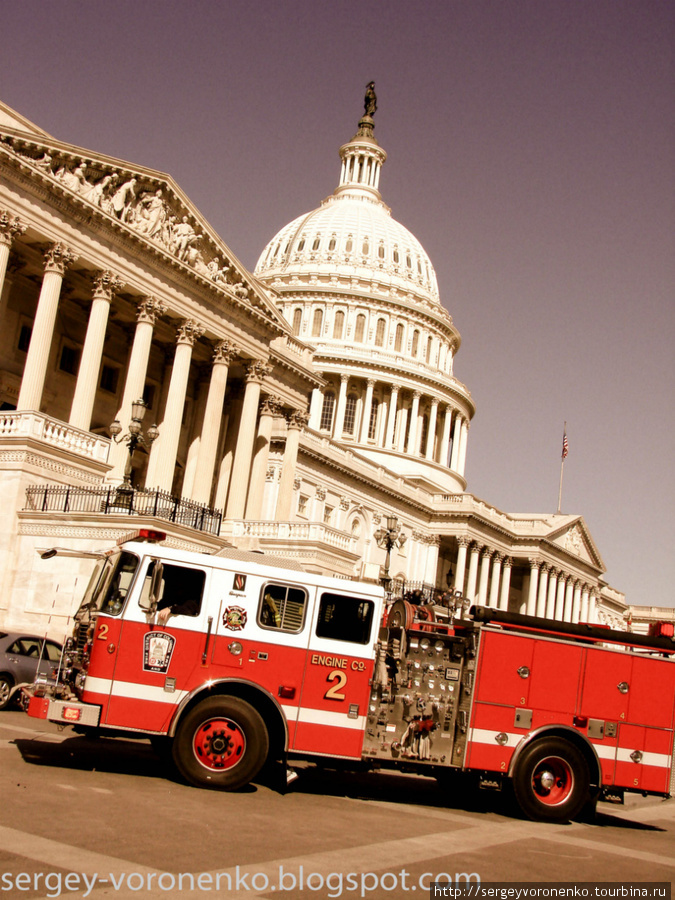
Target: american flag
x,y
565,446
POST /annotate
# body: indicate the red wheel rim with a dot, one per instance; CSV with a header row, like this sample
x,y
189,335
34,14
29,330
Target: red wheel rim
x,y
552,781
219,744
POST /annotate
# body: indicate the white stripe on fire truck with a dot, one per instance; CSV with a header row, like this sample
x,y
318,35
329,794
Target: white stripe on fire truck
x,y
133,690
604,751
323,717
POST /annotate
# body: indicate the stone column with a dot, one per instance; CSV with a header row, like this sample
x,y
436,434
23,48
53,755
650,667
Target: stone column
x,y
552,588
494,582
163,454
57,258
105,285
462,544
431,434
414,421
367,407
576,602
341,405
296,423
532,593
506,584
269,408
583,614
461,462
391,419
223,354
456,440
445,439
149,311
569,599
315,409
473,572
484,574
434,543
241,465
10,228
543,588
560,599
402,423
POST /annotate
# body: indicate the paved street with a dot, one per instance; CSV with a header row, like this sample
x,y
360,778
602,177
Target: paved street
x,y
109,813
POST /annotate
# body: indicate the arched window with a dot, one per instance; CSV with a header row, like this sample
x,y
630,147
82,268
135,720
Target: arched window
x,y
331,244
380,251
379,332
350,414
350,245
396,258
297,321
317,322
317,241
327,411
301,245
360,328
398,343
430,344
373,419
366,247
408,261
339,325
415,343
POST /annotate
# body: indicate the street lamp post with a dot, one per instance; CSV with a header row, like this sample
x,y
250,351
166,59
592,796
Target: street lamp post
x,y
388,538
133,438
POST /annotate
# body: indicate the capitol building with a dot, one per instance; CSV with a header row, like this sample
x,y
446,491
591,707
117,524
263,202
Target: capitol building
x,y
301,410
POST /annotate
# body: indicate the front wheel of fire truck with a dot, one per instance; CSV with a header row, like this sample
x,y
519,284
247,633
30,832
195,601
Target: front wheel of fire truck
x,y
551,781
221,744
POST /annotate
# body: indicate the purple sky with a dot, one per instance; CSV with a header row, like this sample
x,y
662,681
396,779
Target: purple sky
x,y
531,150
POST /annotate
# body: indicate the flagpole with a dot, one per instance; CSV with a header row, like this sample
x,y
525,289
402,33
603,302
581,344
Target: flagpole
x,y
562,465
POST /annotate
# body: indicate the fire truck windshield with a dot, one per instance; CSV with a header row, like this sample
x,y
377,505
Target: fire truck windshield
x,y
109,584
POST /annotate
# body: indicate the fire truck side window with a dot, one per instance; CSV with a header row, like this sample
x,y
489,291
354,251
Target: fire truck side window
x,y
282,607
181,590
345,618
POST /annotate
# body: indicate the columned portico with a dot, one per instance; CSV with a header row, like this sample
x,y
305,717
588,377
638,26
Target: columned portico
x,y
57,259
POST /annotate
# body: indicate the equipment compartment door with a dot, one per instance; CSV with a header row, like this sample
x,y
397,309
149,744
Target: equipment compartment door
x,y
336,686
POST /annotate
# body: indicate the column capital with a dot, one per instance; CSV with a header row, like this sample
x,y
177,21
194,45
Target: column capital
x,y
298,419
463,541
545,568
416,395
224,352
486,552
507,562
256,370
270,406
435,401
188,332
58,257
10,227
106,284
149,310
395,388
344,378
371,382
534,564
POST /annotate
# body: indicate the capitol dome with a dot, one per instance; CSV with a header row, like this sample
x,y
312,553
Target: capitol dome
x,y
353,234
359,288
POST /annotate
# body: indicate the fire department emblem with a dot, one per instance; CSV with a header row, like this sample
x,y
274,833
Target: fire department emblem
x,y
234,618
157,651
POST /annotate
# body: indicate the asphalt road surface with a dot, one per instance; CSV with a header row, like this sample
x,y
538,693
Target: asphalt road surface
x,y
106,818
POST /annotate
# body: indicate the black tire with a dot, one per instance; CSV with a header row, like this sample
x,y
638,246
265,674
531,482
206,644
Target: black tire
x,y
551,781
221,744
6,685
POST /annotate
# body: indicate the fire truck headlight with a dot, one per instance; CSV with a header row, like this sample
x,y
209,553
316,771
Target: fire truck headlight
x,y
235,648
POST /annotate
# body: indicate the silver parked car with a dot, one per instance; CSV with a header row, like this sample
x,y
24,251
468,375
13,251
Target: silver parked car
x,y
22,657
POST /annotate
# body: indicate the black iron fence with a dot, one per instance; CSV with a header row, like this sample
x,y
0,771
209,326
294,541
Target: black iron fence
x,y
115,501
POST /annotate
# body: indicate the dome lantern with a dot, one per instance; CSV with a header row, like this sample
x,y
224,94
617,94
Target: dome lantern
x,y
362,158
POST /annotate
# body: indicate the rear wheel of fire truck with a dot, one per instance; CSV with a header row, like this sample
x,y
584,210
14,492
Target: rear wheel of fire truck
x,y
6,685
221,744
551,781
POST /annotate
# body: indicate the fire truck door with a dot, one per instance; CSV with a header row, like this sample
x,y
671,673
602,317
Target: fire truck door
x,y
156,657
338,669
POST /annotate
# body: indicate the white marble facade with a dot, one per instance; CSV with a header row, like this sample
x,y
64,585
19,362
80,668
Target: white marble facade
x,y
297,406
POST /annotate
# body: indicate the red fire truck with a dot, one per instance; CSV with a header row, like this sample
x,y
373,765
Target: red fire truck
x,y
225,661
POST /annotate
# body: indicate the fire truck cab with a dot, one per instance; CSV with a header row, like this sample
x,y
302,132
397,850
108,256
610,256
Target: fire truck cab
x,y
227,660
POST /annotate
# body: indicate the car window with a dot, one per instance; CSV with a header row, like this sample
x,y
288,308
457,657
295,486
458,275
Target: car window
x,y
52,652
26,647
344,618
282,607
